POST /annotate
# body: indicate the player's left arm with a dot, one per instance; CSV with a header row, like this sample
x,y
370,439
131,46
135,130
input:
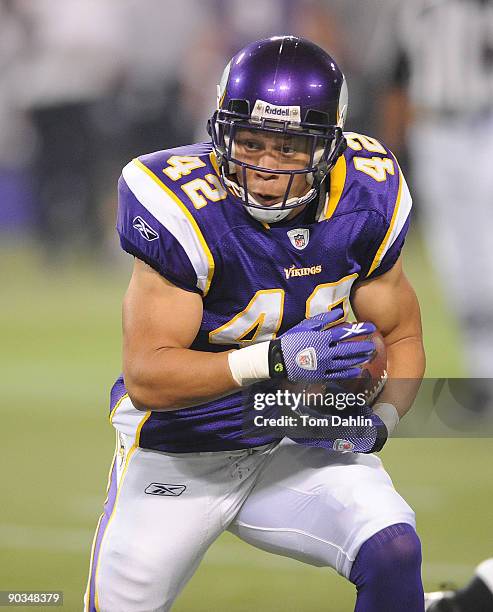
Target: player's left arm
x,y
390,302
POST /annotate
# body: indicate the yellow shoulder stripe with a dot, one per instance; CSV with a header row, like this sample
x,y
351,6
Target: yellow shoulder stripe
x,y
212,157
190,218
337,182
381,249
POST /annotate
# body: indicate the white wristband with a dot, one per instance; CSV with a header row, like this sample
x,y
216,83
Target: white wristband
x,y
388,414
250,364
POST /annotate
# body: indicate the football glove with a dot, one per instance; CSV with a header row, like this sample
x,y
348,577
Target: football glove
x,y
367,436
312,353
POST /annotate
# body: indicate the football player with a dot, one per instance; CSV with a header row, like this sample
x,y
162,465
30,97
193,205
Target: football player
x,y
248,250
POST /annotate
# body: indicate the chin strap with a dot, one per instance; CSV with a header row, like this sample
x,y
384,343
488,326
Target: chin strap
x,y
268,216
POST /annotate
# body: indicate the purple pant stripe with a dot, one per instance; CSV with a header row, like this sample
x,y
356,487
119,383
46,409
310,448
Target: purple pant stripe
x,y
108,509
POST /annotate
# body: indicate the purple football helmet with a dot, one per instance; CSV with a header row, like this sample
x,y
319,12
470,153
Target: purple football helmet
x,y
289,87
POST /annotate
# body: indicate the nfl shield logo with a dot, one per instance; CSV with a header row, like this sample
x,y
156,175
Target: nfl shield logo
x,y
343,446
299,238
307,359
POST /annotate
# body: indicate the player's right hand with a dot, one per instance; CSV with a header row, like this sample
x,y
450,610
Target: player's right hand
x,y
310,351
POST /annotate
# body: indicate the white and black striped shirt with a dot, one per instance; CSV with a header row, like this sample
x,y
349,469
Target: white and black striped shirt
x,y
448,45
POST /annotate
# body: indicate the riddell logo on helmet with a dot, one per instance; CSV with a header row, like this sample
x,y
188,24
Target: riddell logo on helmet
x,y
264,110
276,110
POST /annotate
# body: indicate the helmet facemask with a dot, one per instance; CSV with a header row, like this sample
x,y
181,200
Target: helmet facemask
x,y
320,142
286,88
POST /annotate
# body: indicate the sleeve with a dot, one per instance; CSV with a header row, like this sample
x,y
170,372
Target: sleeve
x,y
157,228
395,228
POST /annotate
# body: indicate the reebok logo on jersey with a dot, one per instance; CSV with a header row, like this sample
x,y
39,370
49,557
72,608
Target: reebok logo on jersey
x,y
165,490
144,229
292,271
307,359
356,328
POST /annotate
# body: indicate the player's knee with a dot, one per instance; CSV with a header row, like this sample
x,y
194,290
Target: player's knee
x,y
395,550
404,551
129,578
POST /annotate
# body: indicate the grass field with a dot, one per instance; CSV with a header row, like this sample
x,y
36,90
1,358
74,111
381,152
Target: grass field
x,y
60,351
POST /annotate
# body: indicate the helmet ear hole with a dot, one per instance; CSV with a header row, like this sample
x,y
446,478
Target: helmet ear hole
x,y
240,107
316,117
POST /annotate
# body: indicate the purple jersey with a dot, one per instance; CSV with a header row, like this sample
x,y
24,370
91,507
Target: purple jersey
x,y
256,280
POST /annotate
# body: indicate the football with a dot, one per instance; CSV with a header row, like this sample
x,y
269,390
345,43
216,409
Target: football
x,y
373,376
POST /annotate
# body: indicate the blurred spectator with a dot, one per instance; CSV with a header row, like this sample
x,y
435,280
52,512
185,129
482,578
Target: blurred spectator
x,y
148,113
441,101
16,137
351,29
150,102
70,60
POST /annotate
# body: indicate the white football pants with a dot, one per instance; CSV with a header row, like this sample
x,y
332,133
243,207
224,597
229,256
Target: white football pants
x,y
164,510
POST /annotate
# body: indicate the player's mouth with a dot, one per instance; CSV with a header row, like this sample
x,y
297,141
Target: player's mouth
x,y
266,199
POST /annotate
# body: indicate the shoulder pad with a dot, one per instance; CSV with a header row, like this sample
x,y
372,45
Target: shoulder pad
x,y
368,178
155,225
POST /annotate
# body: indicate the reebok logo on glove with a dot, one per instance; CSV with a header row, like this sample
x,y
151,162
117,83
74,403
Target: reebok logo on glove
x,y
356,329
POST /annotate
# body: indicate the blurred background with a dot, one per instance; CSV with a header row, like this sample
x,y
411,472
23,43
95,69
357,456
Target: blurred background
x,y
85,85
